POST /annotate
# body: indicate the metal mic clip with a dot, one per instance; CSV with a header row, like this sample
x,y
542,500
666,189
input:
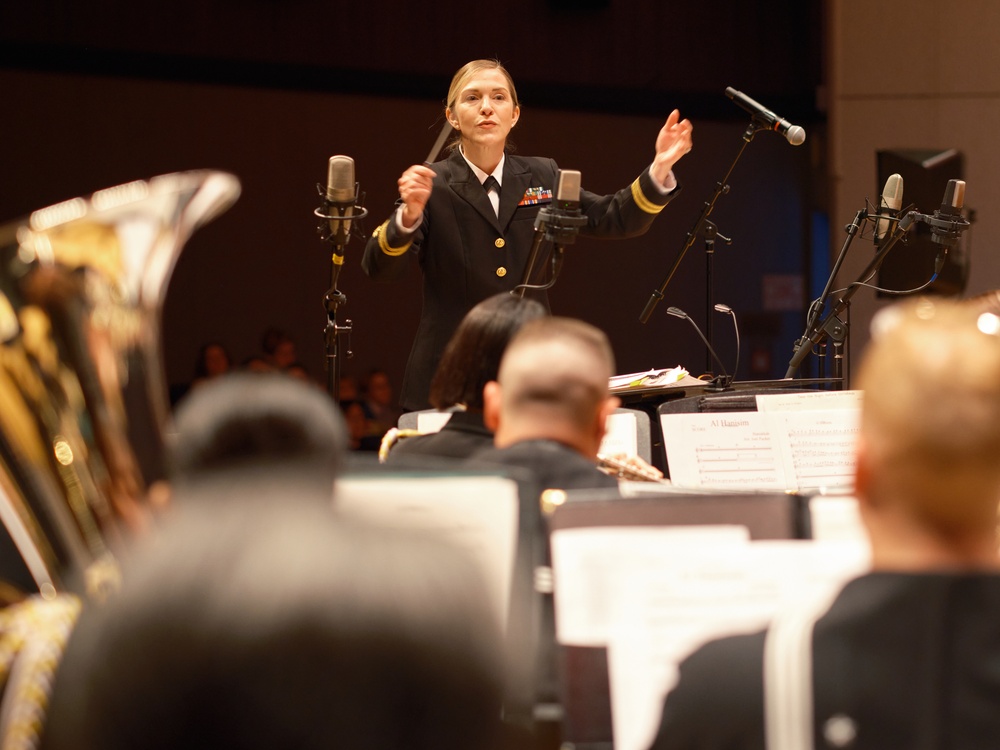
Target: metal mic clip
x,y
334,212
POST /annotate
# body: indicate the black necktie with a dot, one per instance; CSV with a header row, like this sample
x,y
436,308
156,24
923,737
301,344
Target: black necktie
x,y
490,185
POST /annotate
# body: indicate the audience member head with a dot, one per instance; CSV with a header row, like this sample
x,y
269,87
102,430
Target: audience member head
x,y
553,384
284,627
256,428
472,357
376,388
278,348
213,360
928,463
347,389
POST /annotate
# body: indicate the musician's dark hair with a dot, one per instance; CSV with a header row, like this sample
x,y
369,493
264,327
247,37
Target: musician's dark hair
x,y
256,423
472,357
284,626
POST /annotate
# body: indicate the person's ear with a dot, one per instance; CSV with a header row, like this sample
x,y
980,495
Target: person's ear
x,y
516,117
491,405
450,116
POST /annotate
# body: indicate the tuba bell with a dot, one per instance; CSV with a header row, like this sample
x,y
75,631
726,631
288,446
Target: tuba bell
x,y
83,395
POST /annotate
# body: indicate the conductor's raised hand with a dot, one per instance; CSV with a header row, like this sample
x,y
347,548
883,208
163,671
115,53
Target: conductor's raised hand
x,y
415,186
672,142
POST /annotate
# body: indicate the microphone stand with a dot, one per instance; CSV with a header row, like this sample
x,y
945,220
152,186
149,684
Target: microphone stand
x,y
832,327
711,232
558,227
721,188
817,306
334,298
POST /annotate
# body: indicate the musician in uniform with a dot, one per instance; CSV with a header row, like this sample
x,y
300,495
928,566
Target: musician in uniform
x,y
907,655
549,406
469,219
470,361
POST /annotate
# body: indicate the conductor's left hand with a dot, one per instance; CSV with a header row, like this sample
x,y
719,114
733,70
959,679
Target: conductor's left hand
x,y
672,142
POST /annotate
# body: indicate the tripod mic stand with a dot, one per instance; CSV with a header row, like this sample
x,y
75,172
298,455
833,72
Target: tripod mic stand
x,y
703,225
336,228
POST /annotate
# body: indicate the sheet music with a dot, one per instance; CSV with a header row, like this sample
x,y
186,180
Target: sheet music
x,y
660,613
818,447
725,450
790,450
812,401
477,513
432,421
620,435
662,377
590,564
836,519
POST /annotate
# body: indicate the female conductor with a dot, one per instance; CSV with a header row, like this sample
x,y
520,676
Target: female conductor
x,y
469,218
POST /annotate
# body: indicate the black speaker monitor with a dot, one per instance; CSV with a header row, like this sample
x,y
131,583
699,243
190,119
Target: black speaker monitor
x,y
925,174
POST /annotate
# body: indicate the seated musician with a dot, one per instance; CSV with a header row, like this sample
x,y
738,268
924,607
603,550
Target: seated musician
x,y
549,404
251,624
471,359
907,654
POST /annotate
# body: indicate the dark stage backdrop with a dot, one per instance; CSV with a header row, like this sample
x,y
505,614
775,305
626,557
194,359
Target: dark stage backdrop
x,y
262,264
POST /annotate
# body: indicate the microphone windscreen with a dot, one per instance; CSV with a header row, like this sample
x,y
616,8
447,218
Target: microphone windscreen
x,y
892,193
954,197
796,135
340,190
892,199
568,188
340,179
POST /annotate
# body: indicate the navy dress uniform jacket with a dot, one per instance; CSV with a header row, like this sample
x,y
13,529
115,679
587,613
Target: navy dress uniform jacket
x,y
467,253
900,660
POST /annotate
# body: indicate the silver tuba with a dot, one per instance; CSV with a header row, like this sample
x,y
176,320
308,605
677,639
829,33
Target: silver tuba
x,y
83,397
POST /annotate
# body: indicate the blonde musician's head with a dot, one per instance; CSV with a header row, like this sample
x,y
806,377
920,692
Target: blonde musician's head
x,y
929,448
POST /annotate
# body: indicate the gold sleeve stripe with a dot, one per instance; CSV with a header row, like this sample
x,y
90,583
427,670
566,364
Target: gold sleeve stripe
x,y
381,232
642,201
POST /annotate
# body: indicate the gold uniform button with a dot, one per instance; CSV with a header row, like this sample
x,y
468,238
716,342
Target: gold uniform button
x,y
501,271
499,243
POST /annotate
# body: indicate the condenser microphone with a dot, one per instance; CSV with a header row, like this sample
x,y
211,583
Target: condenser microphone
x,y
341,195
567,190
793,133
736,328
561,220
564,226
948,223
558,223
723,380
891,200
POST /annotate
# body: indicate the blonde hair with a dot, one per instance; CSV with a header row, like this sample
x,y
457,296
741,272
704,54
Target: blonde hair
x,y
470,69
931,417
